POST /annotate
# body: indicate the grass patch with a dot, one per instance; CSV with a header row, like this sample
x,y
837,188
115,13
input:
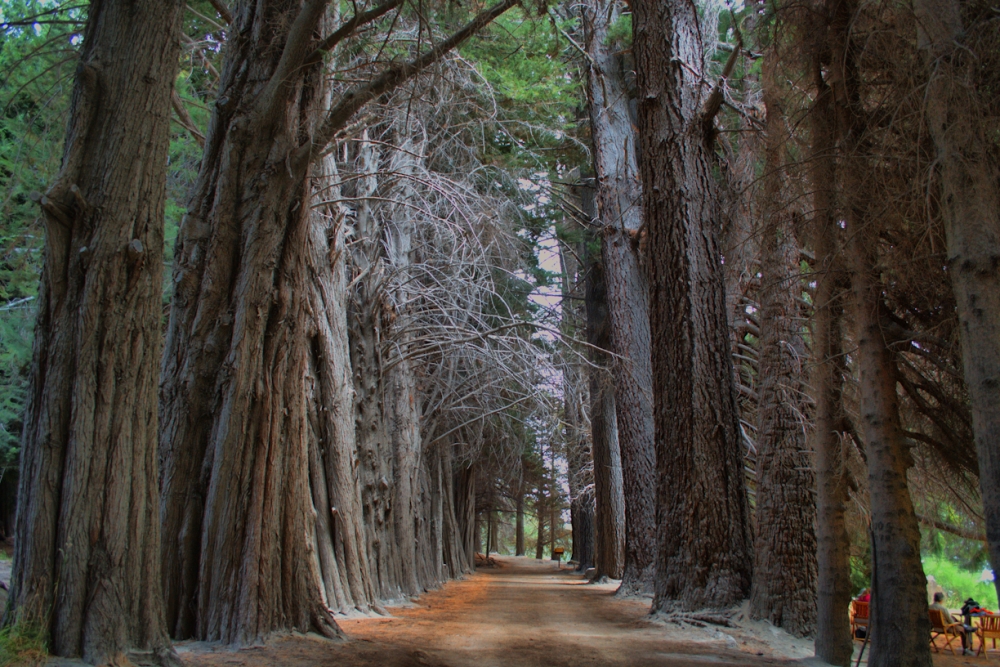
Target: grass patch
x,y
21,645
959,584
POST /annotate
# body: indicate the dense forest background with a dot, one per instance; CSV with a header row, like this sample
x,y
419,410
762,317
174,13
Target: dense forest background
x,y
495,330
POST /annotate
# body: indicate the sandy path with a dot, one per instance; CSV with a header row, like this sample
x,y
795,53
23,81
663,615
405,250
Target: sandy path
x,y
525,613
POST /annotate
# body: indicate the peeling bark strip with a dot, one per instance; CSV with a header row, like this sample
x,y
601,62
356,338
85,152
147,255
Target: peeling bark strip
x,y
784,581
970,205
619,203
704,554
87,550
256,396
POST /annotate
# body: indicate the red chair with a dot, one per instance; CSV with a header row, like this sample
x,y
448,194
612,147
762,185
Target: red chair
x,y
859,617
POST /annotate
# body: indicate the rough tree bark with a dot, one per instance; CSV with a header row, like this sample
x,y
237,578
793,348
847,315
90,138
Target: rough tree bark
x,y
833,631
969,168
784,582
704,557
369,314
86,563
619,197
609,521
255,300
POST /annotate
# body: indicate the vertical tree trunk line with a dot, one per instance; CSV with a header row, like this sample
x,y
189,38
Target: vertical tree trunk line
x,y
704,556
619,203
609,519
575,395
899,624
540,512
784,583
86,563
519,512
833,641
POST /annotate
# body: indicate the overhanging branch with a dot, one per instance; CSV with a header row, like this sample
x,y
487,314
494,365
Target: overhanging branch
x,y
358,96
716,97
349,27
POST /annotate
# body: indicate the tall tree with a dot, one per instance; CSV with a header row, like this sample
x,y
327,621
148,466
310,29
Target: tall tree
x,y
619,198
704,556
833,641
784,582
953,37
88,538
899,624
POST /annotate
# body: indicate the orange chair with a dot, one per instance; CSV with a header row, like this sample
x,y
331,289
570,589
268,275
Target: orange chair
x,y
943,626
859,617
989,628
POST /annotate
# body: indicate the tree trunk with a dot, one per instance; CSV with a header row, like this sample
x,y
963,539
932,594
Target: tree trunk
x,y
619,193
519,520
899,624
583,536
609,520
552,531
705,556
784,583
970,205
374,391
578,450
833,632
540,542
87,562
465,486
254,324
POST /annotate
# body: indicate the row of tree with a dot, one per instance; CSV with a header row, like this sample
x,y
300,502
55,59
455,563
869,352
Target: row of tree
x,y
776,297
801,216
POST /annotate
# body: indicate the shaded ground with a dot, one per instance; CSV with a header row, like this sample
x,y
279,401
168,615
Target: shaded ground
x,y
523,613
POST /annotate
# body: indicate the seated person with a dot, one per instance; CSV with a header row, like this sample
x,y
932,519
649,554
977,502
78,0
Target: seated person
x,y
966,629
864,596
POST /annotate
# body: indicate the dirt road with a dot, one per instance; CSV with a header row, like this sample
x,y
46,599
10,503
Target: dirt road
x,y
525,613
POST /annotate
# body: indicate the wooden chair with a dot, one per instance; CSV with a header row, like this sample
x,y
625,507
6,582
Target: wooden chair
x,y
989,628
859,617
943,626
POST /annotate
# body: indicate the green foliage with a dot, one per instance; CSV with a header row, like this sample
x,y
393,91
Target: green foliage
x,y
22,645
620,32
960,583
523,60
861,574
967,554
15,357
37,61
